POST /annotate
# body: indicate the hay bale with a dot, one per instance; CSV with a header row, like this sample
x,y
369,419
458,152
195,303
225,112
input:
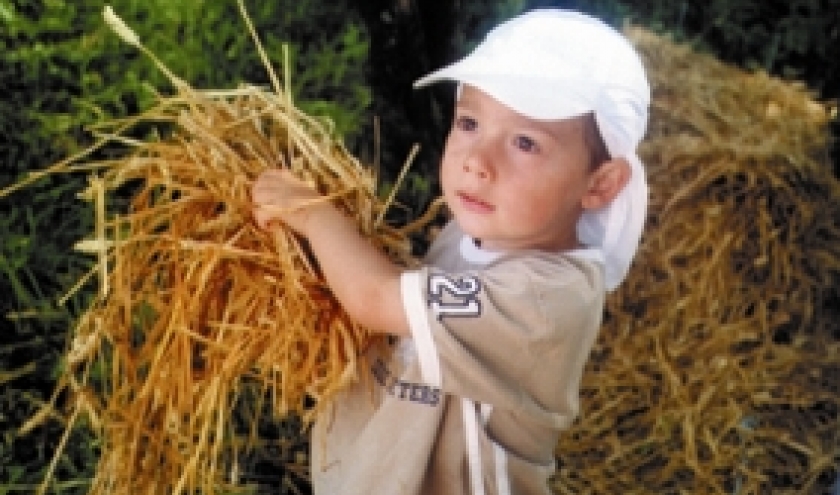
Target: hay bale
x,y
717,369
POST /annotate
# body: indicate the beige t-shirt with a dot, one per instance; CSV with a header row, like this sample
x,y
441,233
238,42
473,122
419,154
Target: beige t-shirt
x,y
473,403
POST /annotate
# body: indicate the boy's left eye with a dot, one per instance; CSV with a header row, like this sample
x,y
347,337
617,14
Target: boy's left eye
x,y
465,123
526,144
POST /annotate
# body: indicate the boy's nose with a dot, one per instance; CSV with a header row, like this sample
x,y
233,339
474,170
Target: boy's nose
x,y
479,162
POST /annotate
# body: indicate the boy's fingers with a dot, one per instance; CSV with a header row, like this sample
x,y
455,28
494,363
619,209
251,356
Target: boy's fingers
x,y
260,217
265,218
277,196
267,190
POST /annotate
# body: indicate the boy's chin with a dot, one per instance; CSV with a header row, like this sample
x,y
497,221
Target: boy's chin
x,y
472,230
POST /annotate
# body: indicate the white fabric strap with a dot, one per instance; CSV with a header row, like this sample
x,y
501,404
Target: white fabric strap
x,y
499,456
473,446
502,479
486,410
418,322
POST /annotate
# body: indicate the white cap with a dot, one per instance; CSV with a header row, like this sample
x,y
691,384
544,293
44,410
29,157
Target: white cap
x,y
551,64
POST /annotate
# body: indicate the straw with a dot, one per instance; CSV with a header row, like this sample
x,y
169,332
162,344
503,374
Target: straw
x,y
716,369
199,309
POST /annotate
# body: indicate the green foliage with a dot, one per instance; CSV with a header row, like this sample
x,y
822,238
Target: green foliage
x,y
793,39
796,40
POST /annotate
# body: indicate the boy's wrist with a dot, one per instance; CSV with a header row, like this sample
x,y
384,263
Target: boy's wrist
x,y
315,216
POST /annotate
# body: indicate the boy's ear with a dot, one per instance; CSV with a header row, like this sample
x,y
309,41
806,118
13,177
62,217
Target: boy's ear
x,y
606,182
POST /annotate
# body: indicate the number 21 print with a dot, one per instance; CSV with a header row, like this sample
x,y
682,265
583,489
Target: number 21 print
x,y
463,296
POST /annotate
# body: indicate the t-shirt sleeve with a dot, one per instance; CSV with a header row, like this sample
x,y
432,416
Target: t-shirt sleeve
x,y
509,332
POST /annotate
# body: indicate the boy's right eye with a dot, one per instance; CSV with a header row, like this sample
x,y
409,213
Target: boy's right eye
x,y
465,123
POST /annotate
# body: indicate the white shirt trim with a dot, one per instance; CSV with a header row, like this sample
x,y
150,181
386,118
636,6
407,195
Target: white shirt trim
x,y
418,323
591,254
502,478
475,254
499,456
470,416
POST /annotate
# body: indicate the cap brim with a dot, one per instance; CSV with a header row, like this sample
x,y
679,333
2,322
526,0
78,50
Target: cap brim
x,y
526,95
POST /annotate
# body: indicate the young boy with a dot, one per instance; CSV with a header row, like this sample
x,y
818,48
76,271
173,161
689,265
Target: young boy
x,y
548,199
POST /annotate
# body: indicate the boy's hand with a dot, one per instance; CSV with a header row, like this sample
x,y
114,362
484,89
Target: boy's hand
x,y
368,287
279,196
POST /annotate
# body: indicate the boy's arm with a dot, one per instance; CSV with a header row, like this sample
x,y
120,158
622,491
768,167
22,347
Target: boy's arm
x,y
363,279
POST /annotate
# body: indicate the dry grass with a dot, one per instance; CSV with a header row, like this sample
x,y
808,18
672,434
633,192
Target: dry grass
x,y
197,306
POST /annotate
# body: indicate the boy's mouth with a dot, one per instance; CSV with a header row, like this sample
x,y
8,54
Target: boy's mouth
x,y
474,204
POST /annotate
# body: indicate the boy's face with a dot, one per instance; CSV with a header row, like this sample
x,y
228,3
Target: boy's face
x,y
511,181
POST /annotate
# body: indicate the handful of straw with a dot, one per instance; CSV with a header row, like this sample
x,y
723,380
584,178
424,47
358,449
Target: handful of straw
x,y
196,303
